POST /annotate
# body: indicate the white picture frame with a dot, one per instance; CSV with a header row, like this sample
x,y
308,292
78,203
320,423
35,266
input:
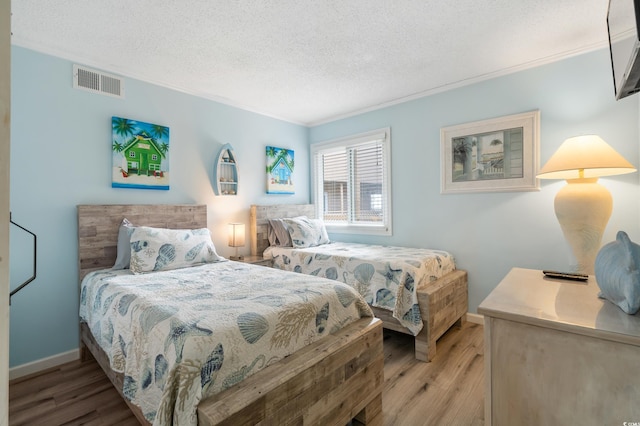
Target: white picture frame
x,y
495,155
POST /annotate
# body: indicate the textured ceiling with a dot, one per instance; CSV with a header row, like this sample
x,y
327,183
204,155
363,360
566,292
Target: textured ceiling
x,y
310,61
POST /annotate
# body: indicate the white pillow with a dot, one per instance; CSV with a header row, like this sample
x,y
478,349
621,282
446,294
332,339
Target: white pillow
x,y
159,249
123,249
307,232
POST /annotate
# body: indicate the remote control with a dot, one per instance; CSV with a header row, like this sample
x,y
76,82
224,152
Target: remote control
x,y
566,275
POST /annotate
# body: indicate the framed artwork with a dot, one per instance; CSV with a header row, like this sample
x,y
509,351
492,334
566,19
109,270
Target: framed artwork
x,y
140,154
496,155
280,171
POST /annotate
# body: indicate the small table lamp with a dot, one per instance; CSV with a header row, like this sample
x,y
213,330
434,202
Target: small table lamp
x,y
583,206
236,238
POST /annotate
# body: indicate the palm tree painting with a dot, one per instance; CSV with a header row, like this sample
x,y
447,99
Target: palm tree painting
x,y
280,164
140,154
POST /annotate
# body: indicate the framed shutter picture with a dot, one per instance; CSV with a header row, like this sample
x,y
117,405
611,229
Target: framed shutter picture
x,y
495,155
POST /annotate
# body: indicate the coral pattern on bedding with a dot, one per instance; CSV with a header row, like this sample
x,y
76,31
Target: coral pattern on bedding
x,y
387,277
182,335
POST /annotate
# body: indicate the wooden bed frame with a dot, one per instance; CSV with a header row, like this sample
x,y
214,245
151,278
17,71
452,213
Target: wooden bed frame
x,y
332,381
443,303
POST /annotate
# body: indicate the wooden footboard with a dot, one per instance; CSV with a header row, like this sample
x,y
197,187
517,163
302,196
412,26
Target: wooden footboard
x,y
332,381
443,303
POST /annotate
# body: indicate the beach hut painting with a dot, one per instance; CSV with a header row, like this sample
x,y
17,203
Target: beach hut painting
x,y
140,154
279,171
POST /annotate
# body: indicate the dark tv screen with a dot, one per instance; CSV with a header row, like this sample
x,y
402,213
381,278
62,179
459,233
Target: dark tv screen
x,y
624,43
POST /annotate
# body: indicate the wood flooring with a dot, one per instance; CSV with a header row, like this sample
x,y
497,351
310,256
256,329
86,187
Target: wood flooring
x,y
446,391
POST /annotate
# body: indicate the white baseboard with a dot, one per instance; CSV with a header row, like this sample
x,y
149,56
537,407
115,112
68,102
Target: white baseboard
x,y
475,318
43,364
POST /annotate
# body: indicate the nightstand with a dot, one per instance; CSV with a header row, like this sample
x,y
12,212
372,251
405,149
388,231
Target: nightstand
x,y
556,354
257,260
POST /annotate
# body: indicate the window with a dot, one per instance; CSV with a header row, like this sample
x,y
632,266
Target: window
x,y
351,181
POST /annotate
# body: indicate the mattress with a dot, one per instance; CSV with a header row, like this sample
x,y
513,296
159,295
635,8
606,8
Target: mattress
x,y
386,276
182,335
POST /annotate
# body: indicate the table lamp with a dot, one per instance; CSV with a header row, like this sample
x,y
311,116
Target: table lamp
x,y
583,206
236,238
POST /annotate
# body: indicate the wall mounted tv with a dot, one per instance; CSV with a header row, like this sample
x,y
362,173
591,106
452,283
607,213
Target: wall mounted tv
x,y
624,44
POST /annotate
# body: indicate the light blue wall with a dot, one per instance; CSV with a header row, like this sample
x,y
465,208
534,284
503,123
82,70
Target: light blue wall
x,y
61,157
489,233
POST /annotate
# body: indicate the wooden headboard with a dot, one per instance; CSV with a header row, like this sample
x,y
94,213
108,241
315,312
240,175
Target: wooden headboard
x,y
260,216
98,226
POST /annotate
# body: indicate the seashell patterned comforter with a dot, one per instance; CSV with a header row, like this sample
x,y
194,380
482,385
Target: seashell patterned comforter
x,y
182,335
386,276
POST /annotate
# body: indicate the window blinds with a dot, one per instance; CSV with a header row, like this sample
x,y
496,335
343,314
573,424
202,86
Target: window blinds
x,y
353,181
335,182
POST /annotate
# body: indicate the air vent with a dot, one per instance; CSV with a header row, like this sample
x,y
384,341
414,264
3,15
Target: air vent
x,y
97,82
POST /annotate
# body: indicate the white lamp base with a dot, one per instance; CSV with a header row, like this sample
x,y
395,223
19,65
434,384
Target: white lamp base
x,y
583,208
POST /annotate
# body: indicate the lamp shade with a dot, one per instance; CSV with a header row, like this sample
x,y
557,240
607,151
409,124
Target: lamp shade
x,y
236,234
585,157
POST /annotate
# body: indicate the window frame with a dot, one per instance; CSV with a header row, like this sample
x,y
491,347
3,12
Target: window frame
x,y
317,191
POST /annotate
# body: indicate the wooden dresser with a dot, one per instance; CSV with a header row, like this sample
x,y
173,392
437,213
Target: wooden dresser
x,y
556,354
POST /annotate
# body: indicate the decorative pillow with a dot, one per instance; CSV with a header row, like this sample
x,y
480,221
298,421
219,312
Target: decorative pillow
x,y
123,256
158,249
279,233
307,232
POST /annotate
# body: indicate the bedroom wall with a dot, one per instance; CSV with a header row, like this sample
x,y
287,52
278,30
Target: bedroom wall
x,y
61,157
489,233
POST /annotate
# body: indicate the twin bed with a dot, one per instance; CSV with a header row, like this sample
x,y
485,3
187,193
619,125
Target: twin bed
x,y
414,291
212,341
221,342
